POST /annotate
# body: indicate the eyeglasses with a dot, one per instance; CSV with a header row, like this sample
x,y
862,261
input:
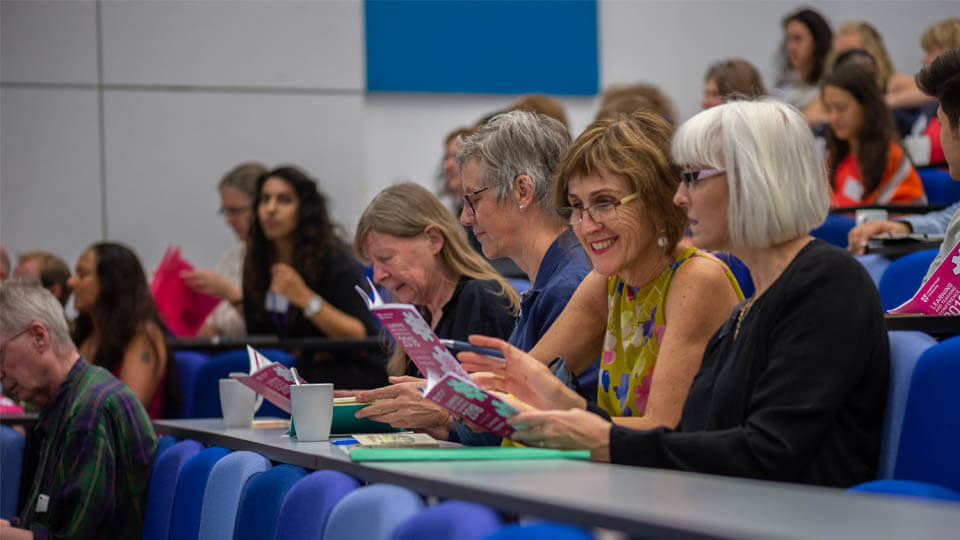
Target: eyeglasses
x,y
233,211
693,179
3,345
599,213
467,197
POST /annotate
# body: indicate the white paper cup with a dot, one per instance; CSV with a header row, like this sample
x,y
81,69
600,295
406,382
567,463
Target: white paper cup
x,y
238,403
866,215
312,406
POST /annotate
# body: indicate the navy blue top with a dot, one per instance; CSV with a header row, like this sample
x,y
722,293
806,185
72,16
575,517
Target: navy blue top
x,y
562,269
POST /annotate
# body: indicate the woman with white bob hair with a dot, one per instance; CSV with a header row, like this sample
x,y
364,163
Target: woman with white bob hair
x,y
793,386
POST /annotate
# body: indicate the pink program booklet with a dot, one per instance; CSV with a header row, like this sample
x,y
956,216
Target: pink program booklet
x,y
271,380
184,310
940,295
448,384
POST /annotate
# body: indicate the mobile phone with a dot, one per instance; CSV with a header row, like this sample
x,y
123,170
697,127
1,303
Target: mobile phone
x,y
464,346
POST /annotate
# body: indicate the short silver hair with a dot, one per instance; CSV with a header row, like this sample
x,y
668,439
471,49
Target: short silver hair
x,y
515,143
23,302
775,174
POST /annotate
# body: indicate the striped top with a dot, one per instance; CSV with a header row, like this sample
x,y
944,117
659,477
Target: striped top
x,y
96,446
900,182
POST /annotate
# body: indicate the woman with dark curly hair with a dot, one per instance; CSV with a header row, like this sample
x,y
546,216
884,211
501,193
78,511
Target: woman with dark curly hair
x,y
119,327
298,279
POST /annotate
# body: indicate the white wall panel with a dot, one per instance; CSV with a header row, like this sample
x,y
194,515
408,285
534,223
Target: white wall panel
x,y
50,171
671,43
48,41
404,133
166,152
283,43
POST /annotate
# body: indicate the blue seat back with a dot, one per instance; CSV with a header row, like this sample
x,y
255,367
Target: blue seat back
x,y
875,264
163,488
307,506
907,488
204,400
261,500
930,438
452,519
11,461
905,351
188,503
188,369
834,230
739,271
372,512
541,531
164,442
228,478
935,181
520,285
903,277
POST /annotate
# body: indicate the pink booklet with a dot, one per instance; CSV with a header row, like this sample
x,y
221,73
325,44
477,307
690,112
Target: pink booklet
x,y
271,380
448,384
940,295
184,310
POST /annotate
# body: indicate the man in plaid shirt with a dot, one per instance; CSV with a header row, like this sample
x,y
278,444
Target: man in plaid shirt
x,y
93,443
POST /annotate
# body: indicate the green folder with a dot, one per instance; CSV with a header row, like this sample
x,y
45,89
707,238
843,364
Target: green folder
x,y
465,454
344,422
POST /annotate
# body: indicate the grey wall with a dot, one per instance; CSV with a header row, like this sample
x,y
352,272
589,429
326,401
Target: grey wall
x,y
117,118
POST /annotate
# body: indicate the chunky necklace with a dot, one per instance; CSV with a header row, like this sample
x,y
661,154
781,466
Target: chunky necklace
x,y
742,315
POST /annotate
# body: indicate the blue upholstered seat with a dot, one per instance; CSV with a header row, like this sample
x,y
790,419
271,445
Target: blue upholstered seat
x,y
453,520
307,506
188,503
261,500
163,488
11,461
372,513
228,478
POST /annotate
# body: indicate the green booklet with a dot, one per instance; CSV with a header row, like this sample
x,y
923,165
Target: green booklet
x,y
465,453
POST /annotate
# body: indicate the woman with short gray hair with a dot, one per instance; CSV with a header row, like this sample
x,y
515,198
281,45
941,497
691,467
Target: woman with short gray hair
x,y
793,386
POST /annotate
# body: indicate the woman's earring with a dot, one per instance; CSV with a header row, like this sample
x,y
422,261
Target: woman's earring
x,y
521,207
662,241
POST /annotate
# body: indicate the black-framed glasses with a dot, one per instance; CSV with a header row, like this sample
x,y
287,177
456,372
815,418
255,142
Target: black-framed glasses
x,y
471,197
695,178
599,213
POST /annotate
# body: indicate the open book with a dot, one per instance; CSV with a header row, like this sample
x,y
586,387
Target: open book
x,y
271,380
940,295
448,384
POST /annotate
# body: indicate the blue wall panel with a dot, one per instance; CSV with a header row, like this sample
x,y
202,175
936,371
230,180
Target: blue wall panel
x,y
482,46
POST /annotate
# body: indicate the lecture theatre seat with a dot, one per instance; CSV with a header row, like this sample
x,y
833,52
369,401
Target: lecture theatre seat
x,y
261,500
11,461
163,488
372,512
541,531
930,437
188,503
834,230
202,399
228,478
903,277
453,520
905,350
307,506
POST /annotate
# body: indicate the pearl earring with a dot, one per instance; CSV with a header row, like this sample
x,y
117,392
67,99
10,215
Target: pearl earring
x,y
521,207
662,241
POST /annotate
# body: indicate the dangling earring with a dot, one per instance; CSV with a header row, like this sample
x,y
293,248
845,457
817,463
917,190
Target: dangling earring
x,y
662,241
521,207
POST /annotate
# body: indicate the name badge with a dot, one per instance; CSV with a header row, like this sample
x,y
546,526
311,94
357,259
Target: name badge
x,y
43,501
852,189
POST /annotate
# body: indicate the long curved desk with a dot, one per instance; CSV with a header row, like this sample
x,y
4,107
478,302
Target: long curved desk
x,y
639,501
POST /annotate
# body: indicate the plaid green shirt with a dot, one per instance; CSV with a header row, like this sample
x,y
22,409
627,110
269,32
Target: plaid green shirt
x,y
96,448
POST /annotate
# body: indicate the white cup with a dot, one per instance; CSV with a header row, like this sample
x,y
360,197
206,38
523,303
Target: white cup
x,y
238,403
866,215
312,406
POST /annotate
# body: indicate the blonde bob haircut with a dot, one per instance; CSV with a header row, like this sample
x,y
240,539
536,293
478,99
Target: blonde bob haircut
x,y
636,147
775,174
943,35
405,211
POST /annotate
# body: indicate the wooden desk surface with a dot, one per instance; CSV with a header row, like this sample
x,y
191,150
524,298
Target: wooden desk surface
x,y
648,502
